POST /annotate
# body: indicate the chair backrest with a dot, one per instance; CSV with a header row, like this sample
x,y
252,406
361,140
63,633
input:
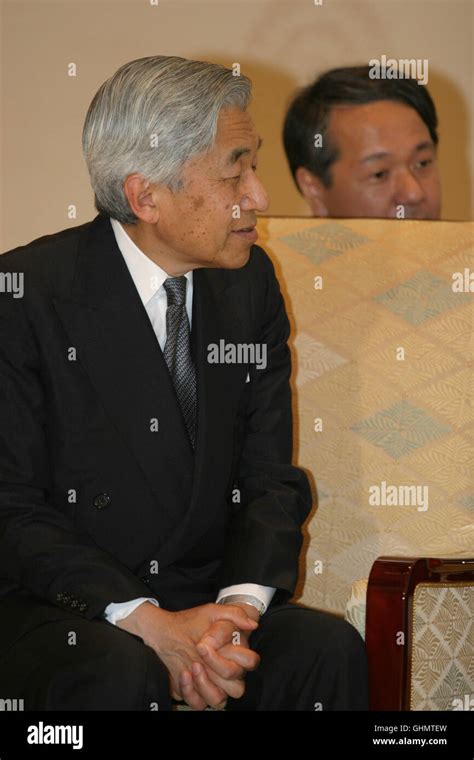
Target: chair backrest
x,y
382,341
420,634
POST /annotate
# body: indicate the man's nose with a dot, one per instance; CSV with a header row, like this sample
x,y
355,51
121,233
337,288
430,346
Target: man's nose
x,y
255,196
408,190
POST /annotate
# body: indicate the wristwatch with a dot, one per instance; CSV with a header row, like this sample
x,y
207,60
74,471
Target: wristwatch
x,y
244,599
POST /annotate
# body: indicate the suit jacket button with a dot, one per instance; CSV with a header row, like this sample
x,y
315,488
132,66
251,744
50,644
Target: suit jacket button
x,y
102,500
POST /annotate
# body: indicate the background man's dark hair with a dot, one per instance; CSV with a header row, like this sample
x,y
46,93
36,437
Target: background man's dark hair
x,y
309,113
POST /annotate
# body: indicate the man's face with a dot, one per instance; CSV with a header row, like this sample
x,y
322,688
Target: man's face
x,y
387,160
197,225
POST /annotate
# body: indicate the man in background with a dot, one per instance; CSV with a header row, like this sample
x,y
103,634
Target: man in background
x,y
363,147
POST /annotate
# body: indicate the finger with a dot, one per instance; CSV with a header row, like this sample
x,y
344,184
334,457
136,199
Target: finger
x,y
212,694
190,695
174,688
235,614
224,667
233,688
246,657
219,633
229,659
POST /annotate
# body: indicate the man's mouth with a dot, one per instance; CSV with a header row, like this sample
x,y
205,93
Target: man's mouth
x,y
247,233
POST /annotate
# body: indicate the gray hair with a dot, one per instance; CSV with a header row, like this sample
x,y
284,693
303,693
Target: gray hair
x,y
151,117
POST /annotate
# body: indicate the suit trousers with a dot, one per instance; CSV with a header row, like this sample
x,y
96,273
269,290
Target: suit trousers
x,y
310,660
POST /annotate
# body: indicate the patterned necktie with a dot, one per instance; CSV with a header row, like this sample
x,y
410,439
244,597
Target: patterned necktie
x,y
177,351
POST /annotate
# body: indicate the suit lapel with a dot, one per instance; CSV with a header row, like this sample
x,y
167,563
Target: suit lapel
x,y
114,340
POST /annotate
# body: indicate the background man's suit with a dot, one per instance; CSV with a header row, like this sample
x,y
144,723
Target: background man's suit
x,y
91,494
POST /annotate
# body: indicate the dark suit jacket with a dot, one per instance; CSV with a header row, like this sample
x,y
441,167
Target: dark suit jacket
x,y
90,494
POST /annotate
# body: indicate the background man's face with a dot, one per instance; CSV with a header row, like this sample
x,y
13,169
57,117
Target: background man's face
x,y
196,226
386,160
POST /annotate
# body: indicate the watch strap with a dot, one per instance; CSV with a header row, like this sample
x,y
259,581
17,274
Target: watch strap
x,y
244,599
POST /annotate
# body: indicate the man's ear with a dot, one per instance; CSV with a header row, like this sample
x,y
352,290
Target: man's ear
x,y
313,190
143,197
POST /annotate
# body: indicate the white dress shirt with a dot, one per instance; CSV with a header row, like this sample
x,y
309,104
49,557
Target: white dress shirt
x,y
148,278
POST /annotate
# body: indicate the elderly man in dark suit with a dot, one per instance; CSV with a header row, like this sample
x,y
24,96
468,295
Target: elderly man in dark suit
x,y
150,516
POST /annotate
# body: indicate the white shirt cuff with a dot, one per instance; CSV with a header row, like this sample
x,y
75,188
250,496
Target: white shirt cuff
x,y
263,593
119,610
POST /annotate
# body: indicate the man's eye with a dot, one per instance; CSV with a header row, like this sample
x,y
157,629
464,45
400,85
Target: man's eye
x,y
238,176
423,164
381,175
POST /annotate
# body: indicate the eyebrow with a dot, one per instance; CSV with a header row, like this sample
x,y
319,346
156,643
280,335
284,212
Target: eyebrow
x,y
384,153
238,152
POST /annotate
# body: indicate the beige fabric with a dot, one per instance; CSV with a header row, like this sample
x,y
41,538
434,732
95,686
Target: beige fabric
x,y
442,659
386,288
357,605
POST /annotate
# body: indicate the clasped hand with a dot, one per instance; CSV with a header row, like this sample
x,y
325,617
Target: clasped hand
x,y
223,661
205,648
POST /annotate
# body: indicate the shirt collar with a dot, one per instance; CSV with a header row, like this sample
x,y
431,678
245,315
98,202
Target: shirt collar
x,y
147,276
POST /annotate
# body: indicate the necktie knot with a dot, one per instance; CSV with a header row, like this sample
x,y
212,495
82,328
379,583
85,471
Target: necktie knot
x,y
175,290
